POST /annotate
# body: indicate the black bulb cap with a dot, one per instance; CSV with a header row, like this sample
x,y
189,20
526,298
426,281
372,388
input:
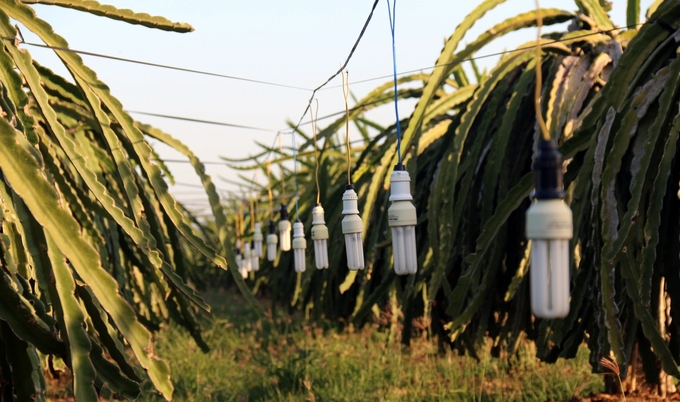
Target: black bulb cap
x,y
547,167
284,213
399,167
349,187
272,227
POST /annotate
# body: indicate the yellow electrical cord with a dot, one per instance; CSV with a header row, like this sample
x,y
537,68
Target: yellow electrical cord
x,y
283,181
539,76
345,92
252,213
269,190
316,152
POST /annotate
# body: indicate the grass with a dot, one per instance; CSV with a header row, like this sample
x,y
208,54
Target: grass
x,y
290,360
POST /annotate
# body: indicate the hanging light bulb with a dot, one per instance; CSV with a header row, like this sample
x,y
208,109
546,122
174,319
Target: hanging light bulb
x,y
257,240
352,226
239,263
247,258
402,219
320,237
284,229
549,227
271,242
299,246
255,260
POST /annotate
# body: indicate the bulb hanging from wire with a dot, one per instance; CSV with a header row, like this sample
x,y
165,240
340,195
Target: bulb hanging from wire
x,y
320,237
402,219
255,260
239,260
549,226
284,229
257,240
272,239
247,258
352,226
299,246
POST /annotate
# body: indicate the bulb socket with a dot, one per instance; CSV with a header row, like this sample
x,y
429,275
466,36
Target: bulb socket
x,y
548,174
284,213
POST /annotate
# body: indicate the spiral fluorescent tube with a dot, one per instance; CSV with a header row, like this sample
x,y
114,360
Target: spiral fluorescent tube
x,y
320,237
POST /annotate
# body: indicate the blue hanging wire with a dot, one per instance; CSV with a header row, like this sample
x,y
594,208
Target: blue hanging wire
x,y
392,14
297,210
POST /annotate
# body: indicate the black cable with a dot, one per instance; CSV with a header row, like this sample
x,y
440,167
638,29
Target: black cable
x,y
349,57
383,77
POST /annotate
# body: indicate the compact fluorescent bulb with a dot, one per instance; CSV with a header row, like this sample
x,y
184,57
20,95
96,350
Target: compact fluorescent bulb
x,y
299,246
239,264
247,258
352,226
402,219
257,240
549,226
284,229
320,237
272,239
255,260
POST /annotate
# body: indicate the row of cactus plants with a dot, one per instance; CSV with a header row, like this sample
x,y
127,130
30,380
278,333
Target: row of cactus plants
x,y
611,101
95,254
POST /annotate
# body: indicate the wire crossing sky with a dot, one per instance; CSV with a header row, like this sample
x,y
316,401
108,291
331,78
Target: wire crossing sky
x,y
297,43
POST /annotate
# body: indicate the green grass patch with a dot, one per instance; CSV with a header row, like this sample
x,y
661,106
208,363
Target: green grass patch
x,y
288,359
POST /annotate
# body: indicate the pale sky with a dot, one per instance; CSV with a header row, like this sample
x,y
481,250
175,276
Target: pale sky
x,y
294,42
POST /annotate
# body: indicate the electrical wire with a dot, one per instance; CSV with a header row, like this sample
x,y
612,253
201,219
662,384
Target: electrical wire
x,y
283,182
297,209
539,75
345,92
501,53
392,14
485,56
194,120
342,68
269,191
150,64
253,205
316,152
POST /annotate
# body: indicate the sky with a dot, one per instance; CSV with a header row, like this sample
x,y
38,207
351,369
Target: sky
x,y
294,42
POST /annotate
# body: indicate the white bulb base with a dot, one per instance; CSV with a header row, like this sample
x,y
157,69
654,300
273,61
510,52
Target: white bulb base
x,y
352,227
299,246
549,226
402,218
